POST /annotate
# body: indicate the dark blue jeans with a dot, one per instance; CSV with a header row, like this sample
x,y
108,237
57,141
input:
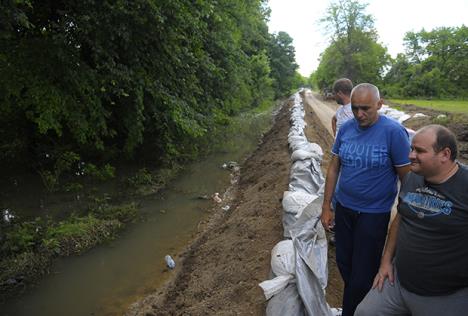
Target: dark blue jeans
x,y
360,238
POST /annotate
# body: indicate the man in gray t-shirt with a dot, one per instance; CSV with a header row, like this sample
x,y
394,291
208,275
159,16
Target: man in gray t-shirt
x,y
428,239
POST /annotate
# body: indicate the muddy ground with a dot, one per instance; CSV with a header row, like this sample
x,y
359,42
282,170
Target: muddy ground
x,y
219,272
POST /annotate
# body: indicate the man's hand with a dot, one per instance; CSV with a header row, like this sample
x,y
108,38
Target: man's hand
x,y
327,217
385,271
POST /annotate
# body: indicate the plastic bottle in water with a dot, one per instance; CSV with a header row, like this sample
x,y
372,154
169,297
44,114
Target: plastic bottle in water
x,y
169,262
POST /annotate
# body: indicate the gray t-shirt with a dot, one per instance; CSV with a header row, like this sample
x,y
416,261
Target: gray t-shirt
x,y
432,245
343,113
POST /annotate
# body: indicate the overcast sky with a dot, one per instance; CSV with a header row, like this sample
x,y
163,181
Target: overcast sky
x,y
393,18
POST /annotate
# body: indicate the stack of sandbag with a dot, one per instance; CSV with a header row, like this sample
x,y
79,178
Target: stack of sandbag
x,y
299,269
306,181
299,264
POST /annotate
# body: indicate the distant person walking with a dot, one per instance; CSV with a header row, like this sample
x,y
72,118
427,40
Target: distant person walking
x,y
369,154
428,276
342,93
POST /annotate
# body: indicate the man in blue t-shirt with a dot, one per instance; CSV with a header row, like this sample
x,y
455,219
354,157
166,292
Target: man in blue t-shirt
x,y
369,154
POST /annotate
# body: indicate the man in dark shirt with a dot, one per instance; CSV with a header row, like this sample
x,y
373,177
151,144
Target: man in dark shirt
x,y
428,275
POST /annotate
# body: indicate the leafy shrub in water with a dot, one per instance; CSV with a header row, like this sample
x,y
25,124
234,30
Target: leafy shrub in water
x,y
28,248
123,213
80,234
141,177
21,237
101,173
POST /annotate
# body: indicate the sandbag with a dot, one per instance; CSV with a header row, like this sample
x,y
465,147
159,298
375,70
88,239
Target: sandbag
x,y
283,267
295,201
306,175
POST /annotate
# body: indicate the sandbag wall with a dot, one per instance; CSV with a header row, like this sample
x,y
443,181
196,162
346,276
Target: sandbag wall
x,y
299,263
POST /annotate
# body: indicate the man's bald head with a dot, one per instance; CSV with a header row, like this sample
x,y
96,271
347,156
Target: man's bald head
x,y
365,89
365,104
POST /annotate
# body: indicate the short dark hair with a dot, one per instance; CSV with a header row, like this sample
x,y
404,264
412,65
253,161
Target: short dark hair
x,y
344,85
445,138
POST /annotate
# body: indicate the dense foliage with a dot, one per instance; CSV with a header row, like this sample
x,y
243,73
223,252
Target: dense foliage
x,y
435,65
282,59
101,80
354,52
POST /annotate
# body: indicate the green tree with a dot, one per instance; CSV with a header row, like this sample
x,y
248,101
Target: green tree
x,y
282,62
434,65
354,51
108,79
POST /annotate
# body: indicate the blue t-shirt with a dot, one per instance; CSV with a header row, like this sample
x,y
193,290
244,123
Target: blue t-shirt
x,y
368,180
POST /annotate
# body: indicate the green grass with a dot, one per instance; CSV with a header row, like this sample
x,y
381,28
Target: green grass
x,y
460,106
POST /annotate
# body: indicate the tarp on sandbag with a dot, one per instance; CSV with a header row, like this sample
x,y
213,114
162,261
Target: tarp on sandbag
x,y
295,201
312,151
306,175
293,204
310,245
304,293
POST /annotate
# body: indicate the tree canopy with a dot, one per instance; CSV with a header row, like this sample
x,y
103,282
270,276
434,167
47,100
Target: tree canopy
x,y
107,79
435,64
354,51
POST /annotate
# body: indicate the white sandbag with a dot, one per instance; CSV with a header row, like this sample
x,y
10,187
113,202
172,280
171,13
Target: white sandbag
x,y
283,266
395,114
295,201
287,302
307,151
305,175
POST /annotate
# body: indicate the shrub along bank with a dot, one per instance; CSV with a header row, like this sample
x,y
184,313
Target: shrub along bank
x,y
28,248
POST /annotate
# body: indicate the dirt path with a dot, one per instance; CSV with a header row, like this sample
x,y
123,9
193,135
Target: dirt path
x,y
323,110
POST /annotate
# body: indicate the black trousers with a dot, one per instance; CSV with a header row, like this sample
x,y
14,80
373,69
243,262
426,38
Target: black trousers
x,y
360,239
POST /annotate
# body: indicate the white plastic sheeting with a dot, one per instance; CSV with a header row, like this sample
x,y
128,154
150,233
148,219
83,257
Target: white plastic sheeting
x,y
395,114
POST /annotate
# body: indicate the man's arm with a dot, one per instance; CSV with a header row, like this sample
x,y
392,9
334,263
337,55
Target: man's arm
x,y
330,184
402,171
386,265
333,123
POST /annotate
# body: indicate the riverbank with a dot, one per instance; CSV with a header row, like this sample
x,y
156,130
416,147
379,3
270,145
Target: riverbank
x,y
219,272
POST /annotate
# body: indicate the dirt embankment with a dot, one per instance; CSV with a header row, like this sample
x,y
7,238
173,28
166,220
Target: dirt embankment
x,y
219,272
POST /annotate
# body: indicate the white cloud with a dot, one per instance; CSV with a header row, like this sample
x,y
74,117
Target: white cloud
x,y
299,18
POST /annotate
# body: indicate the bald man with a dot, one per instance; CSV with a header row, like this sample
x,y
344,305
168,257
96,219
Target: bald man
x,y
428,276
369,154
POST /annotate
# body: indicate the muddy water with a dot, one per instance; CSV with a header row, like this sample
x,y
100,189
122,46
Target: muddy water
x,y
105,280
